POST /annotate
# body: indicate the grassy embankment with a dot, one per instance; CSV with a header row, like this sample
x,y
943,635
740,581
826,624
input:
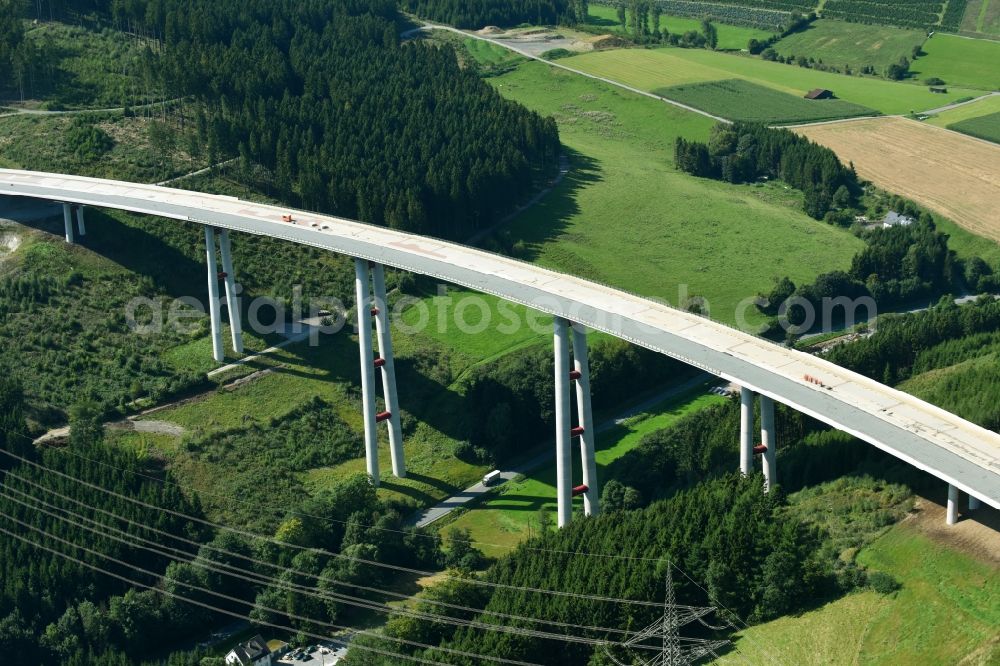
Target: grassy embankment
x,y
947,610
43,143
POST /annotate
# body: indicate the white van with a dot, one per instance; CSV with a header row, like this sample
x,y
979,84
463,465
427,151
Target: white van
x,y
491,478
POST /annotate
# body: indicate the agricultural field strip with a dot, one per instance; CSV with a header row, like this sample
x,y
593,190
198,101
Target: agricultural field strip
x,y
932,439
986,127
743,100
722,74
659,68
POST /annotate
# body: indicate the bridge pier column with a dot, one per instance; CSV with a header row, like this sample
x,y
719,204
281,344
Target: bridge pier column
x,y
362,292
214,307
951,517
232,300
68,221
768,440
973,503
388,371
564,460
81,227
581,373
746,431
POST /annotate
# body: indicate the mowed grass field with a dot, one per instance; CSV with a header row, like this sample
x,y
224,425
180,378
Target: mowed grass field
x,y
737,99
946,612
840,43
509,515
649,69
973,63
981,107
954,175
626,217
731,37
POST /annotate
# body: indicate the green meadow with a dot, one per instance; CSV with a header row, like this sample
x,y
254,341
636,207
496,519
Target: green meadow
x,y
973,63
838,43
626,217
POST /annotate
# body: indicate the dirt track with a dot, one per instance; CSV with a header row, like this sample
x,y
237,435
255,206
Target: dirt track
x,y
953,174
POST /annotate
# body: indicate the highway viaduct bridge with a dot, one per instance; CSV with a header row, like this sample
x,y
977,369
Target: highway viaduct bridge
x,y
960,453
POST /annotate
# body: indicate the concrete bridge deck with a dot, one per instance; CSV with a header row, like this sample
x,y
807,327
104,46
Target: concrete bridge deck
x,y
932,439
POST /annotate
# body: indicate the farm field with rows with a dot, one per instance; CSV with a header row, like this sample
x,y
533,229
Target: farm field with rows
x,y
984,127
737,99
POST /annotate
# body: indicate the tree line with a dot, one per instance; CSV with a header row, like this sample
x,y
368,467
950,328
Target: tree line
x,y
744,152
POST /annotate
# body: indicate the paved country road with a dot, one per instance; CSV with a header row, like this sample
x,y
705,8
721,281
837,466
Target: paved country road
x,y
532,56
477,491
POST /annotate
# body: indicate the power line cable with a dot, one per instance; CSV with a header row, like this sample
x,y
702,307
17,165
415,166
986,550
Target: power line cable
x,y
260,579
475,581
417,572
285,511
253,560
216,609
292,616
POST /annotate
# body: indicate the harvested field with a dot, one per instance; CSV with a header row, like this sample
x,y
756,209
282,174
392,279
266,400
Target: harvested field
x,y
954,175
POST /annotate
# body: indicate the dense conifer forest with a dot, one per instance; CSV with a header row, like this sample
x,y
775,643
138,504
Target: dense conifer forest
x,y
462,14
344,116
